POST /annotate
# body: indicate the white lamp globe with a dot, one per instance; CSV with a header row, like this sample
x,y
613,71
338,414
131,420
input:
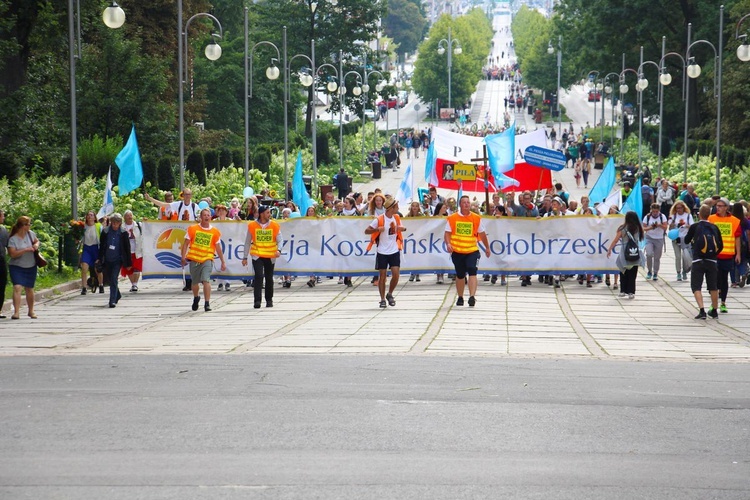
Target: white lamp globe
x,y
332,86
743,52
665,79
624,88
113,16
272,72
693,70
213,51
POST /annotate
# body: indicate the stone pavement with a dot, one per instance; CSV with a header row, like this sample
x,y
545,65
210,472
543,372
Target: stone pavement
x,y
537,321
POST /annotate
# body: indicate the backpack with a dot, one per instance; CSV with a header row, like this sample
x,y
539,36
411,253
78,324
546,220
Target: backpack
x,y
704,242
632,251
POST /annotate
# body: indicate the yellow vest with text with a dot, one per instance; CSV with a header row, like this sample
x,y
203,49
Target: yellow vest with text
x,y
264,239
729,227
464,232
202,243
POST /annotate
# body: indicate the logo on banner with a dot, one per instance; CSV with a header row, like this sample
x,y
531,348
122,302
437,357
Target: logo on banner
x,y
168,248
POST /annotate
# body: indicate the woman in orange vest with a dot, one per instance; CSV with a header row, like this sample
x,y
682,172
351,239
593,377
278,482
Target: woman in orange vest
x,y
201,242
462,232
264,243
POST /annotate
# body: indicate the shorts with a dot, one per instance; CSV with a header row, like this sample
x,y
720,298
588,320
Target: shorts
x,y
707,268
200,272
465,263
137,266
90,254
385,261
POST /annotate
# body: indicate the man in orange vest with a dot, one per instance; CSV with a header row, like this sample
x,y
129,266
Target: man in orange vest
x,y
201,242
385,232
462,232
263,242
731,230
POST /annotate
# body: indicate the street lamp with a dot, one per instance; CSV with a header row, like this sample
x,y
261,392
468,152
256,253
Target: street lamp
x,y
693,70
641,86
451,50
551,50
608,90
624,90
365,89
114,17
592,85
356,91
743,51
212,51
664,80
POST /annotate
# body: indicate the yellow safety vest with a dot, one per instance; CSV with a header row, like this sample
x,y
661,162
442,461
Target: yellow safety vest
x,y
464,232
264,239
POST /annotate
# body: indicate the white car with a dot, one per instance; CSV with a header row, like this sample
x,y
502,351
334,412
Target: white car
x,y
370,115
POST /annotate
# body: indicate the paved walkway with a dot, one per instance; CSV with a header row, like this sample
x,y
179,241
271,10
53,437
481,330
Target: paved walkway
x,y
536,321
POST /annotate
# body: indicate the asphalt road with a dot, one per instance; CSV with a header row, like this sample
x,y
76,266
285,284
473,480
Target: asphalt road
x,y
346,427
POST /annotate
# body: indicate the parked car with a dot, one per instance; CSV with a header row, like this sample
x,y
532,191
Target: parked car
x,y
595,96
371,115
391,103
403,98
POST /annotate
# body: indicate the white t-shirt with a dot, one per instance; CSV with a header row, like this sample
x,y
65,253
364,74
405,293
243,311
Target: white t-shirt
x,y
188,212
387,244
89,236
658,233
687,220
130,229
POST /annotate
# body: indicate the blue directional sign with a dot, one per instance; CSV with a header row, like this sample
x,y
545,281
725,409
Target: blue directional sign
x,y
545,158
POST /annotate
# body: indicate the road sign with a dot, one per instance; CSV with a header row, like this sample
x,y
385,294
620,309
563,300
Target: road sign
x,y
416,107
545,158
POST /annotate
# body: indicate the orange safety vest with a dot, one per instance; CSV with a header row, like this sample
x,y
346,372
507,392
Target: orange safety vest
x,y
163,214
464,232
374,237
729,227
264,239
202,243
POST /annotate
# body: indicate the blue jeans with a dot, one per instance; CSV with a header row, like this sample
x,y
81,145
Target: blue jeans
x,y
112,272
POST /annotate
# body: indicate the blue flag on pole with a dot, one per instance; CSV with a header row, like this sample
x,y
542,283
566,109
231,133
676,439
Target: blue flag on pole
x,y
301,198
430,175
634,201
131,169
501,156
108,205
604,183
405,193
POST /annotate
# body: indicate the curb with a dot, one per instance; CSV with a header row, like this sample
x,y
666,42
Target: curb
x,y
43,295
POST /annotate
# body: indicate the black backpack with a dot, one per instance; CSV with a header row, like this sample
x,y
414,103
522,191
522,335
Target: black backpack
x,y
632,252
704,242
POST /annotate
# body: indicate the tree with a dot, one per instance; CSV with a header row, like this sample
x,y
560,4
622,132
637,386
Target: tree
x,y
405,24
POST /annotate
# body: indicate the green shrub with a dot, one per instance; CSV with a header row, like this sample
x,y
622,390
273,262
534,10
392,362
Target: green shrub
x,y
211,159
150,173
95,155
196,166
166,174
10,165
225,158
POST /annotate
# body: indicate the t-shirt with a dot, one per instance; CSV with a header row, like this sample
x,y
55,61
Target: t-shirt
x,y
131,229
649,220
203,242
187,212
387,244
15,242
687,221
90,236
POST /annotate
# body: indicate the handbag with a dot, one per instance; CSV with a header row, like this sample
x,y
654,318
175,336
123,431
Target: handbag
x,y
38,258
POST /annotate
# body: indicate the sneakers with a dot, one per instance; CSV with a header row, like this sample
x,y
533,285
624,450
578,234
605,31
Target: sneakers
x,y
383,305
557,283
206,307
713,313
134,288
101,288
287,284
196,301
679,278
226,287
83,291
418,280
186,288
486,277
341,281
743,280
472,301
648,276
502,281
493,280
723,308
390,299
221,286
701,314
269,303
411,277
460,301
631,296
311,282
256,305
622,294
439,279
656,277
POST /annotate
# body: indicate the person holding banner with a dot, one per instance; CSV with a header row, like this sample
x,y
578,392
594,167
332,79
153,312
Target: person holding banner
x,y
462,232
385,232
263,242
200,244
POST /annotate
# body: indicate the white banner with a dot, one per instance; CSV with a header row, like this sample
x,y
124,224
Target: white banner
x,y
337,246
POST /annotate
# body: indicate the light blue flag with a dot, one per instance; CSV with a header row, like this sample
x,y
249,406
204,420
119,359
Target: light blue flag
x,y
430,175
405,193
301,198
634,201
501,156
501,151
604,183
131,169
108,205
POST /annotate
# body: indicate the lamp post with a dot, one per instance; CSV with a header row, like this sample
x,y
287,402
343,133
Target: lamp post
x,y
551,50
624,90
693,70
640,87
113,17
272,73
356,91
365,89
592,85
664,80
451,50
608,90
743,50
212,51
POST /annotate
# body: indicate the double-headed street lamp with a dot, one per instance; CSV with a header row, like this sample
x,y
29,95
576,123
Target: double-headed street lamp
x,y
212,51
597,87
624,90
664,80
551,50
608,89
365,89
743,50
113,17
356,91
640,87
693,70
449,43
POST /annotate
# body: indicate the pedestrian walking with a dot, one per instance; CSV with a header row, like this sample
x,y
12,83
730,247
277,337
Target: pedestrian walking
x,y
705,240
114,254
629,235
463,230
263,243
200,244
385,232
